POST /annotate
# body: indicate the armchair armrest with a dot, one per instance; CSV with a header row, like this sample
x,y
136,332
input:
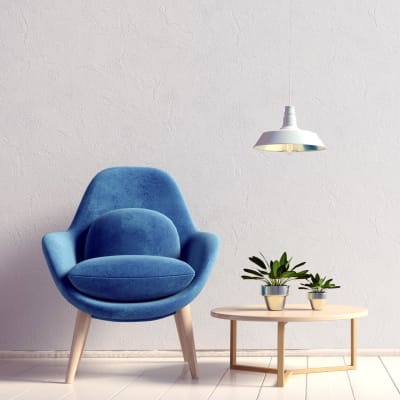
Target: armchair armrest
x,y
200,252
59,249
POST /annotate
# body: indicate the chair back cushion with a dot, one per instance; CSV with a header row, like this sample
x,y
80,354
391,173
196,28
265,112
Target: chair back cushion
x,y
131,278
132,231
132,187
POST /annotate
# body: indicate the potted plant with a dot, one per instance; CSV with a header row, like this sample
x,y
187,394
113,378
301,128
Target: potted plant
x,y
317,286
275,274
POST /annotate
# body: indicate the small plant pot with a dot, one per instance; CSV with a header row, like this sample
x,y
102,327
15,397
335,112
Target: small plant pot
x,y
275,296
317,300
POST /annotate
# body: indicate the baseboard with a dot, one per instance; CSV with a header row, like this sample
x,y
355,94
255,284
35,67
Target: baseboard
x,y
200,353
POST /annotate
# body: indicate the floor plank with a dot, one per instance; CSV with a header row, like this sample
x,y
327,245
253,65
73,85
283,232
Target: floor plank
x,y
154,382
246,378
392,365
211,372
45,380
371,381
295,387
15,376
328,385
227,392
169,379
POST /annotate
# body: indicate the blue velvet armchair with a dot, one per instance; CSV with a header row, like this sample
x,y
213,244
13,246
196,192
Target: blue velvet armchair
x,y
131,254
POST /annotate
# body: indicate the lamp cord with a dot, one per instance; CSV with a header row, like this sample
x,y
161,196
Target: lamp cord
x,y
290,54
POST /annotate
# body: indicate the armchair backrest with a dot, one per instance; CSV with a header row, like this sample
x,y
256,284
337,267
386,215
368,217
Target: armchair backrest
x,y
131,187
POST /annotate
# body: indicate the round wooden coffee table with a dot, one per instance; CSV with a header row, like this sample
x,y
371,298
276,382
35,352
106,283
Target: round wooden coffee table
x,y
291,313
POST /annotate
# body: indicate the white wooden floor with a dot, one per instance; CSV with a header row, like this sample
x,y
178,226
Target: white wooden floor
x,y
376,378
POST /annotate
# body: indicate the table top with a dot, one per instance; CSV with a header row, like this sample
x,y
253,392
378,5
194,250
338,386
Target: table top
x,y
291,313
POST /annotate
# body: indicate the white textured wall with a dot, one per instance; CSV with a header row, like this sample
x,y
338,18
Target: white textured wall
x,y
188,86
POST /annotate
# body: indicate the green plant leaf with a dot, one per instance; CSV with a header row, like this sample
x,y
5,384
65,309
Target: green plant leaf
x,y
299,265
275,269
264,259
317,283
253,272
258,261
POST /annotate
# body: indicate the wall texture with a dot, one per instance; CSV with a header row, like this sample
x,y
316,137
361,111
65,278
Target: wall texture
x,y
188,86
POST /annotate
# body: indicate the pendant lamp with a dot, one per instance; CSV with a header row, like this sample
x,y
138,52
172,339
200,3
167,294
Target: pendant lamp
x,y
289,138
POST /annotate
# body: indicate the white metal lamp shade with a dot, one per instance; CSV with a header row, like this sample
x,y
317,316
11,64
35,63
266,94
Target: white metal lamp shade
x,y
289,138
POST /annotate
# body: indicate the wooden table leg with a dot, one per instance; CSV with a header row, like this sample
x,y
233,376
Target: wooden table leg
x,y
282,374
233,343
353,333
281,354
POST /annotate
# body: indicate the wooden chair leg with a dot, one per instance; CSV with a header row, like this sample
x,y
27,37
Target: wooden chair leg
x,y
181,338
183,320
81,330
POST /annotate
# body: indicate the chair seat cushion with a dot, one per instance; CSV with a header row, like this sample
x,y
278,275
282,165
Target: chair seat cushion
x,y
132,231
131,278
